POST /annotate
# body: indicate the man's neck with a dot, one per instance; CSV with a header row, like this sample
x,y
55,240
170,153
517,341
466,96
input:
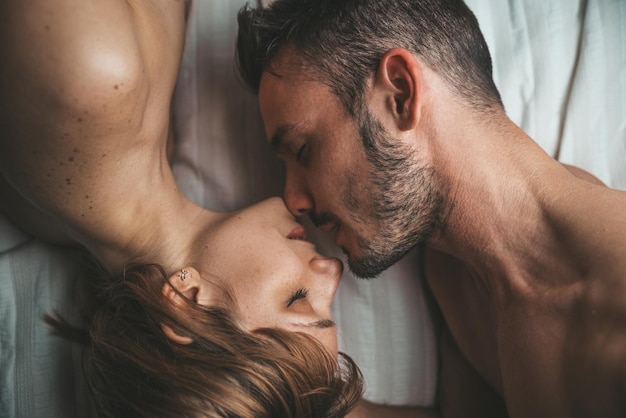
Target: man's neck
x,y
498,221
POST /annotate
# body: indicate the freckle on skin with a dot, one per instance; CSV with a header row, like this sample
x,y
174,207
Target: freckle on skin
x,y
76,150
116,87
70,159
80,119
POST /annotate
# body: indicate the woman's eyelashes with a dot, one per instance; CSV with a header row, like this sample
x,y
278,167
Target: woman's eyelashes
x,y
297,295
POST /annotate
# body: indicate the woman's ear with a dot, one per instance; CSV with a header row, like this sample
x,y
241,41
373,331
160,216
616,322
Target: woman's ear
x,y
173,336
400,84
185,282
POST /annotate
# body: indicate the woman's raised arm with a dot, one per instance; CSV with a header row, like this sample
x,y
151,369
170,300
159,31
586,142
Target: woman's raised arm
x,y
85,88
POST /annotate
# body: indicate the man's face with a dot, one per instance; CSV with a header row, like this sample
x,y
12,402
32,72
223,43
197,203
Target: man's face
x,y
379,202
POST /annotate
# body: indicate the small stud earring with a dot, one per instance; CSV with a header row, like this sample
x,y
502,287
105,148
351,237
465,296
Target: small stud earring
x,y
183,274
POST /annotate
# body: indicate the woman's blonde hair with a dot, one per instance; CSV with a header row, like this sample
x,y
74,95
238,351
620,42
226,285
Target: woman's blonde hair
x,y
134,370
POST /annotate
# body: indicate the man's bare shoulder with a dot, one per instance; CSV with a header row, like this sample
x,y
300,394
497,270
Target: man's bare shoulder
x,y
594,355
583,175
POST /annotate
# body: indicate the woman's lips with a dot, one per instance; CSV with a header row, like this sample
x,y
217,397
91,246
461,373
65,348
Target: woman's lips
x,y
297,233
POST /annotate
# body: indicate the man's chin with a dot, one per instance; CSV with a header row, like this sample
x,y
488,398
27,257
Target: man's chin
x,y
365,267
370,266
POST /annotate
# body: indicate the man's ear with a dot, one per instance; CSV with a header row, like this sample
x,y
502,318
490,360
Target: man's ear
x,y
185,282
399,83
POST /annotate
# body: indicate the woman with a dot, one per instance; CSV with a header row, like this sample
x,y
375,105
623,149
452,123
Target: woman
x,y
200,315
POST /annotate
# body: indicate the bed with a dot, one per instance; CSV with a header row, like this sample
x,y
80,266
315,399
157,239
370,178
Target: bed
x,y
561,69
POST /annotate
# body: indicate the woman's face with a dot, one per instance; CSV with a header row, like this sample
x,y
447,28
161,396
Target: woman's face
x,y
275,276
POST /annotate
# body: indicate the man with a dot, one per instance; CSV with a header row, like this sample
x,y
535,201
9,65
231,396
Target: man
x,y
394,136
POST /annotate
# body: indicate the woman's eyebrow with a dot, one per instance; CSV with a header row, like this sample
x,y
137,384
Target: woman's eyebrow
x,y
322,323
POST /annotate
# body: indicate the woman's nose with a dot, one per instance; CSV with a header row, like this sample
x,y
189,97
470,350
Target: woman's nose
x,y
328,273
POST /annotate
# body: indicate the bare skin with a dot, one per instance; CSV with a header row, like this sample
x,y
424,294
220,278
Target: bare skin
x,y
553,320
84,132
89,87
528,262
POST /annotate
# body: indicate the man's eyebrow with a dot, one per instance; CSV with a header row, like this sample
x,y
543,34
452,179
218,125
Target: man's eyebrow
x,y
277,143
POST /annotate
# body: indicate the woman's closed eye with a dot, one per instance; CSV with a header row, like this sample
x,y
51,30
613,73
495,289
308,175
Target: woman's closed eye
x,y
297,295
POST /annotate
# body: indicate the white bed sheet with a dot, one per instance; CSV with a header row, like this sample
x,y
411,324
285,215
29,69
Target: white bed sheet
x,y
40,374
560,66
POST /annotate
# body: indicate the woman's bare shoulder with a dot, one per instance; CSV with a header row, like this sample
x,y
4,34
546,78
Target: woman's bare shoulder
x,y
29,218
88,90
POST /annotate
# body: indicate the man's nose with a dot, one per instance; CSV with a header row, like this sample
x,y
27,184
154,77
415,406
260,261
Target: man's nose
x,y
297,197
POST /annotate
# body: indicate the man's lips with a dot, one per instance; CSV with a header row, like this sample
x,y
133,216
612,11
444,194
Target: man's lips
x,y
324,221
328,227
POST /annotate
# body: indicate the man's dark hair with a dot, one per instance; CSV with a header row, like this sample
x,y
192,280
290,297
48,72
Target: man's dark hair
x,y
341,43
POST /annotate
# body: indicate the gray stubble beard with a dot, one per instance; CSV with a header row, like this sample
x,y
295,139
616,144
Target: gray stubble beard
x,y
405,203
